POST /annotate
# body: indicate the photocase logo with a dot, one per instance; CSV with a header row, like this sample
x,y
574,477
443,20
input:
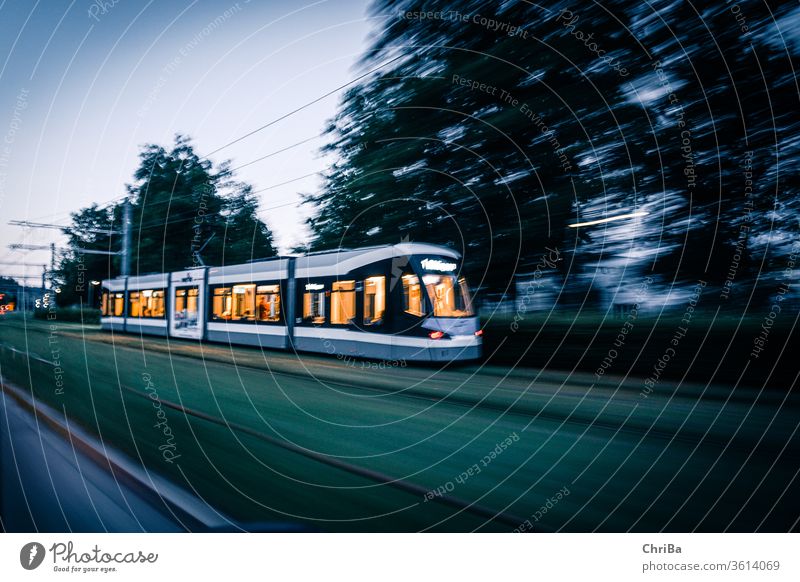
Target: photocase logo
x,y
31,555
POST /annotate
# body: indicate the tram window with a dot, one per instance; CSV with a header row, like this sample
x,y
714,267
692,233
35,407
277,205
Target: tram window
x,y
343,302
412,296
268,302
191,301
186,299
147,303
155,303
119,304
450,298
135,305
244,306
314,306
374,300
180,300
104,303
221,303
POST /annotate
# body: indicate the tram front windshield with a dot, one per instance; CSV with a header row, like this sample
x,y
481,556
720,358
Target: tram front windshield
x,y
449,295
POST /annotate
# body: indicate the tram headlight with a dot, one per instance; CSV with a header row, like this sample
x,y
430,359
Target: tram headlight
x,y
436,334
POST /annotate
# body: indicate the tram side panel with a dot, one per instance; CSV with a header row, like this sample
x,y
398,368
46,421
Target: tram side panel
x,y
401,331
245,304
410,341
347,314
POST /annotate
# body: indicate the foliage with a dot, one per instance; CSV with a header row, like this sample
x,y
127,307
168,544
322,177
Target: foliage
x,y
185,213
181,205
497,127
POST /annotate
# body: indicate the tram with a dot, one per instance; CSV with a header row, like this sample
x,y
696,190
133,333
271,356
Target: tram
x,y
396,302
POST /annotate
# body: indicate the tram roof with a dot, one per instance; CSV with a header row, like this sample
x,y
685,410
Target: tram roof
x,y
372,254
329,258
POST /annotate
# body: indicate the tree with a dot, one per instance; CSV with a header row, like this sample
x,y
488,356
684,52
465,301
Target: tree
x,y
185,213
182,205
493,128
77,269
478,140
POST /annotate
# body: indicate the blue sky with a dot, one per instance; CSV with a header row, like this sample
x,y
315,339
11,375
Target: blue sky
x,y
84,84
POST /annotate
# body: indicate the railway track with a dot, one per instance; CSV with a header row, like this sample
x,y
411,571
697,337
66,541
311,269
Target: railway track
x,y
476,509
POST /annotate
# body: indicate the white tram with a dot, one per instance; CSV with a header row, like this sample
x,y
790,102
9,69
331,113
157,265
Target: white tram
x,y
401,302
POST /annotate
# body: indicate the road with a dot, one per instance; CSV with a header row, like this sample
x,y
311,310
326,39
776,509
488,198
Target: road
x,y
266,436
49,485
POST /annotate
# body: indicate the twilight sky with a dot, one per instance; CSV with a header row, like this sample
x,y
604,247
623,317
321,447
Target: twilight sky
x,y
83,84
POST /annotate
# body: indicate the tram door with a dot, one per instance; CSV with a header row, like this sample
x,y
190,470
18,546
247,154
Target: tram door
x,y
186,315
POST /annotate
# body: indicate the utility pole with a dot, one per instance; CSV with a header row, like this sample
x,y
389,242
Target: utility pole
x,y
52,264
126,237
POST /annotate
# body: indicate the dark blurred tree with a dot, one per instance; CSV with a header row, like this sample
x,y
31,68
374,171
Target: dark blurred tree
x,y
247,236
578,113
181,205
731,66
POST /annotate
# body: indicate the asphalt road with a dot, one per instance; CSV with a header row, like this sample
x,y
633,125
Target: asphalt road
x,y
266,436
48,485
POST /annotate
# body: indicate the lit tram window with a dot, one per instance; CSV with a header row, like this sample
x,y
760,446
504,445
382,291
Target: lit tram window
x,y
104,305
343,302
155,303
314,303
135,307
412,296
244,302
186,305
180,300
374,300
268,303
450,298
221,303
147,303
119,304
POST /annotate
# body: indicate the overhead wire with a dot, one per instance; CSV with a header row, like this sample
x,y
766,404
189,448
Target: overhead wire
x,y
306,105
272,122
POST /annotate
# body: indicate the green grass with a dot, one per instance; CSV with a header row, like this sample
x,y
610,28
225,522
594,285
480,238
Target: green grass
x,y
595,439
